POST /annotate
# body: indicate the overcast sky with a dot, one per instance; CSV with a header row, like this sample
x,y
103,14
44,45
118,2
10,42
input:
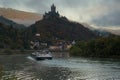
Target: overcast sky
x,y
101,13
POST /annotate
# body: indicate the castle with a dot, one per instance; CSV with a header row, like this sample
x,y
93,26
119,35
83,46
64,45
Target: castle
x,y
51,14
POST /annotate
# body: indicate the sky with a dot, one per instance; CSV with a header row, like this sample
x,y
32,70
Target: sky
x,y
97,13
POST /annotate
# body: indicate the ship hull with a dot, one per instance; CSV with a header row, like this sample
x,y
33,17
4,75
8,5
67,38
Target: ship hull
x,y
43,58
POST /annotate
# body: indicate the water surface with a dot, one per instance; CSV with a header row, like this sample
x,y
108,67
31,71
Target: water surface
x,y
26,68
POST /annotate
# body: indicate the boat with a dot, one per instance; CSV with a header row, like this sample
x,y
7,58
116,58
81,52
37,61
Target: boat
x,y
40,54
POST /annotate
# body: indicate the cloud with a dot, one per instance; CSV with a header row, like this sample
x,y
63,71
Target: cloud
x,y
16,4
110,16
97,12
111,19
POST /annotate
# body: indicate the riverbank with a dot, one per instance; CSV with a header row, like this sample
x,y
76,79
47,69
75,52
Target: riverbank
x,y
12,52
22,51
56,54
103,47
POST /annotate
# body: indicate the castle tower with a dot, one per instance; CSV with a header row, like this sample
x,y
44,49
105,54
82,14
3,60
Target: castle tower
x,y
52,13
53,8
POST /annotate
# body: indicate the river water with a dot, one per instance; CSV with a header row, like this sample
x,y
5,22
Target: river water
x,y
26,68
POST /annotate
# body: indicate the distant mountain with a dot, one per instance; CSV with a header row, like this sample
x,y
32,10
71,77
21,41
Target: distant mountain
x,y
88,26
54,26
21,17
99,31
116,32
10,23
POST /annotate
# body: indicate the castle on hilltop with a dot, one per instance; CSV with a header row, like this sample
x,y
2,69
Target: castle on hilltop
x,y
51,14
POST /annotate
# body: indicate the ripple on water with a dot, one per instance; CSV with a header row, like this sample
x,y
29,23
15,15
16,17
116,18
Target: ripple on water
x,y
61,69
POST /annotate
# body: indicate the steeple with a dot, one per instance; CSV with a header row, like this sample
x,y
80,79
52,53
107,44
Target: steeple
x,y
53,8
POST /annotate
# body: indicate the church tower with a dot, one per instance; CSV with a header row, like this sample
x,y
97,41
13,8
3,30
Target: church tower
x,y
53,8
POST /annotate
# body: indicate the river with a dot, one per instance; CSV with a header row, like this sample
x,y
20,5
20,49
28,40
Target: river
x,y
26,68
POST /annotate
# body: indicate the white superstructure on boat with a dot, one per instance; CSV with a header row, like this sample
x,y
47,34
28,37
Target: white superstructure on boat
x,y
40,54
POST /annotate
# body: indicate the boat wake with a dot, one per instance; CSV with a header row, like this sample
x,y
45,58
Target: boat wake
x,y
66,63
30,58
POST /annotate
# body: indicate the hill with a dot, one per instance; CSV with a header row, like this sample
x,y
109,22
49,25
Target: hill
x,y
62,29
10,37
54,26
21,17
10,23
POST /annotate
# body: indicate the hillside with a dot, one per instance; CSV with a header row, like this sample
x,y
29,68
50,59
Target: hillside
x,y
10,37
11,23
62,29
54,26
20,17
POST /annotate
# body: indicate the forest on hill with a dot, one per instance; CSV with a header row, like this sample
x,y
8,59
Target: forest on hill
x,y
10,37
59,28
